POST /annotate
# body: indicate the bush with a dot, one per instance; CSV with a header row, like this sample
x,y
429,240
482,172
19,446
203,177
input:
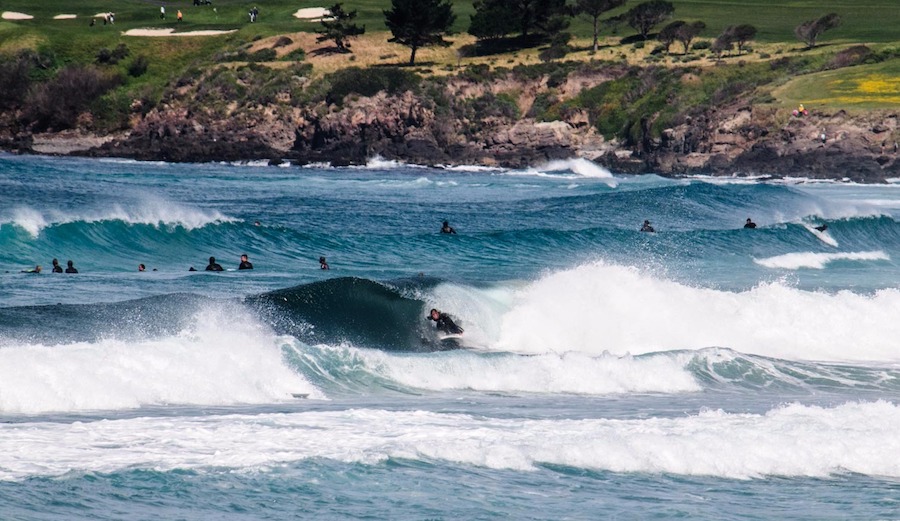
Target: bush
x,y
848,57
368,82
138,66
57,103
284,41
297,55
107,57
15,79
262,55
701,45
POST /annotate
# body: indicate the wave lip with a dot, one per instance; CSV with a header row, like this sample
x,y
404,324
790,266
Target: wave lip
x,y
150,211
818,261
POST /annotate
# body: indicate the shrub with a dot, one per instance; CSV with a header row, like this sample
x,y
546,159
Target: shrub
x,y
284,41
297,55
57,104
15,79
701,45
850,56
262,55
368,82
138,66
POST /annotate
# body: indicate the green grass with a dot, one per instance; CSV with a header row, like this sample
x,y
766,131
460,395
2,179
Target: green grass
x,y
73,41
864,87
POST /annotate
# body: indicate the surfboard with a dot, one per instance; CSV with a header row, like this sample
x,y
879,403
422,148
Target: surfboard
x,y
822,235
300,395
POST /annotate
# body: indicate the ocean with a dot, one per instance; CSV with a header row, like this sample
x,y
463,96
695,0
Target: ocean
x,y
704,371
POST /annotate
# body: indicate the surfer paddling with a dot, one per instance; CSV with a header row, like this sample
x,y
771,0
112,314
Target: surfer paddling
x,y
444,323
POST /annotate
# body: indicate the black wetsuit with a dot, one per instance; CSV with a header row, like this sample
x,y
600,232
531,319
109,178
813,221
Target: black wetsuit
x,y
70,269
245,265
446,325
750,224
647,228
57,268
214,267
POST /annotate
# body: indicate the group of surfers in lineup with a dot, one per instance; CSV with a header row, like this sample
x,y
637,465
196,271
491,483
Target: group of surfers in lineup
x,y
646,227
70,268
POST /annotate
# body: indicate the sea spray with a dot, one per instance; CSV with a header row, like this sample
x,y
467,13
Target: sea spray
x,y
226,358
600,307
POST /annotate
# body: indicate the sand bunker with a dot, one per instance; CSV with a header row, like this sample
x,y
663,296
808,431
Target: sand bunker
x,y
171,32
312,14
11,15
65,16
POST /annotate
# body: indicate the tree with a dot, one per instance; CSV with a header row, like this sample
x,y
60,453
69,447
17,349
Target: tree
x,y
595,8
646,16
419,23
339,27
687,32
810,30
720,45
669,34
494,18
739,34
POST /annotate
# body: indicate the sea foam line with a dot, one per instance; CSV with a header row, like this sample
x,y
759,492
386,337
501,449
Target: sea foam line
x,y
818,261
792,440
575,373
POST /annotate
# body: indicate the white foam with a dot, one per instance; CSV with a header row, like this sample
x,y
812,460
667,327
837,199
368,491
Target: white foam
x,y
793,440
570,169
379,163
599,307
551,373
150,210
226,359
822,235
794,261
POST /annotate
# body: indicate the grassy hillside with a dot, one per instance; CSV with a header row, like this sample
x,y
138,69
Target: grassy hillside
x,y
868,21
73,41
866,86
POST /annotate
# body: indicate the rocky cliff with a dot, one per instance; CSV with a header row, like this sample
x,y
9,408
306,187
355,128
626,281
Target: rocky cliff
x,y
467,127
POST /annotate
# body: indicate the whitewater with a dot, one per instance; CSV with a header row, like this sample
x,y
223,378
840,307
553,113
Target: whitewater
x,y
704,371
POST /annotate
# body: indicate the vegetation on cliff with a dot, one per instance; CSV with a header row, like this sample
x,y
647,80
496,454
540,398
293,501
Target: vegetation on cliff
x,y
576,62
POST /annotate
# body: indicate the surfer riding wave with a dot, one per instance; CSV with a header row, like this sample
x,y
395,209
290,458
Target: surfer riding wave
x,y
444,323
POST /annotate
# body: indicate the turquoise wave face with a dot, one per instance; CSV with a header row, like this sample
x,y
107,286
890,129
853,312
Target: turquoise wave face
x,y
378,227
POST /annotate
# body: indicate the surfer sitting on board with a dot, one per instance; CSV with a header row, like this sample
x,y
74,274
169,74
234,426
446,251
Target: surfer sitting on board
x,y
749,224
446,228
646,227
444,323
213,265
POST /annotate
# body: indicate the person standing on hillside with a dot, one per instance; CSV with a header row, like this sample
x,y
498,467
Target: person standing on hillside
x,y
162,12
179,16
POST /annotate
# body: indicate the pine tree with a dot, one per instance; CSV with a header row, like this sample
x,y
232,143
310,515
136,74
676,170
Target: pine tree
x,y
419,23
339,27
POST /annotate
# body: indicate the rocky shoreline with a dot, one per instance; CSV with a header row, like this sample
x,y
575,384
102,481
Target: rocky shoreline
x,y
731,140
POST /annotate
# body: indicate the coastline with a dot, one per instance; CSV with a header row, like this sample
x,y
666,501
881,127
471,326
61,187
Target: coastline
x,y
723,143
